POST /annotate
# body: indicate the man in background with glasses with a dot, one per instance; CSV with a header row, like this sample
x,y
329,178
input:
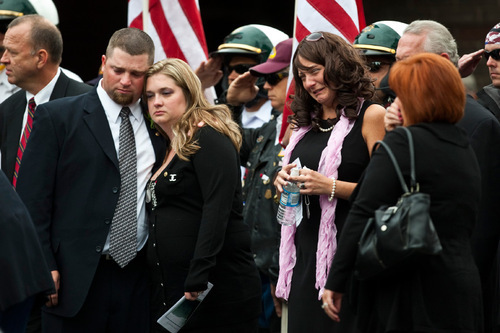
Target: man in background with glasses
x,y
378,43
261,155
489,96
243,48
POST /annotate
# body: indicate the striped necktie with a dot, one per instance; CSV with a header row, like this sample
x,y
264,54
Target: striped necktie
x,y
24,138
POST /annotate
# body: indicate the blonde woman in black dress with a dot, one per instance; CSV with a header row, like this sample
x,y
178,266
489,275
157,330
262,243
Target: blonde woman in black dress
x,y
197,234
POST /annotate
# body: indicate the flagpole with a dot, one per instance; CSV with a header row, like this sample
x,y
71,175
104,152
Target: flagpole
x,y
145,15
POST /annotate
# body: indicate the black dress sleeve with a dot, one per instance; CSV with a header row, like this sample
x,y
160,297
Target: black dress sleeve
x,y
216,165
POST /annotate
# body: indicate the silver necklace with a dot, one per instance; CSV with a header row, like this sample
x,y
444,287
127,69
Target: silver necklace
x,y
324,130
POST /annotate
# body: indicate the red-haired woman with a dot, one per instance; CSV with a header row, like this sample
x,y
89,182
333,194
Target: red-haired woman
x,y
441,293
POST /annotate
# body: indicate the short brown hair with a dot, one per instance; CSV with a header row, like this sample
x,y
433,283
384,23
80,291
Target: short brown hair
x,y
430,89
132,41
43,35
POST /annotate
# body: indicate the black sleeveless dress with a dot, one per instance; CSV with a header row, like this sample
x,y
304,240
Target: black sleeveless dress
x,y
304,309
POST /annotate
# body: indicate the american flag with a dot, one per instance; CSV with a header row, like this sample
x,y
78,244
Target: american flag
x,y
342,17
175,27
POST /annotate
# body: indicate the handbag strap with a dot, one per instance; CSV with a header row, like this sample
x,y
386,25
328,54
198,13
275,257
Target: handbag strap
x,y
414,185
413,178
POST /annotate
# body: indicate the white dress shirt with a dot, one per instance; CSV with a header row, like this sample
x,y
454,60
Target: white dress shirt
x,y
257,118
43,96
145,156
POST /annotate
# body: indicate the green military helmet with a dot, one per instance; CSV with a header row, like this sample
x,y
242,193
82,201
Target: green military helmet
x,y
251,40
380,38
10,9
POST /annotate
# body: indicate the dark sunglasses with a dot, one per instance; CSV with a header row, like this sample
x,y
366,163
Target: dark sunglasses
x,y
240,68
495,54
275,78
375,66
314,37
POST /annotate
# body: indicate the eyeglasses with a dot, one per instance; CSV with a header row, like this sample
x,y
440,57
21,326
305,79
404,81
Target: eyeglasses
x,y
375,66
495,54
275,78
240,68
314,37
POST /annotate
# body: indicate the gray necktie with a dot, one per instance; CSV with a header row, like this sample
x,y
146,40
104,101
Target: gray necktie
x,y
123,238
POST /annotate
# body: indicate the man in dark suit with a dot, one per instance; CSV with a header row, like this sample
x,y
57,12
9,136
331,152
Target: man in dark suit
x,y
33,51
483,130
83,178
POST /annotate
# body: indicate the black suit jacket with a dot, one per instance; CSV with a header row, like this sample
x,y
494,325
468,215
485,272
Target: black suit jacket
x,y
24,271
11,118
70,182
483,130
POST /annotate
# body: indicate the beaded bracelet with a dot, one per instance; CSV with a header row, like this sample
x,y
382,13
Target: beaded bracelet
x,y
334,185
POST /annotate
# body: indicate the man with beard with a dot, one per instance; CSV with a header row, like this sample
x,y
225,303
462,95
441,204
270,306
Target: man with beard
x,y
83,180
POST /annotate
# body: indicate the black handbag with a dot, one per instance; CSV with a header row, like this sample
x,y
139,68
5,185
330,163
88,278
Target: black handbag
x,y
399,233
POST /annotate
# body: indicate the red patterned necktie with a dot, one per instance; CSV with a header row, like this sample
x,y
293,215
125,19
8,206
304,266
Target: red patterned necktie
x,y
24,138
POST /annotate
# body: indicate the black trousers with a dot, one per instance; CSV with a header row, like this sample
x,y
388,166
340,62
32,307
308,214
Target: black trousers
x,y
118,301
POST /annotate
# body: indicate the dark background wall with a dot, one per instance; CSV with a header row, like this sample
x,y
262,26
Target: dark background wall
x,y
87,25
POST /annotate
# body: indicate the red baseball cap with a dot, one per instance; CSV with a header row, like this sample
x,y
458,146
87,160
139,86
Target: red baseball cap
x,y
278,60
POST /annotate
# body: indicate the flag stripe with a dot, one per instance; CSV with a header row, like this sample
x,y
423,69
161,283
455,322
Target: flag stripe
x,y
192,13
300,32
337,16
168,41
134,10
314,20
183,33
361,15
175,25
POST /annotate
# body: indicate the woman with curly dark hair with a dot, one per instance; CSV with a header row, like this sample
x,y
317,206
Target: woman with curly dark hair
x,y
335,128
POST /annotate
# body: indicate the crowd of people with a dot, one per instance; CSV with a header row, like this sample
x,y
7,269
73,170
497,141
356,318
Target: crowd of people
x,y
118,200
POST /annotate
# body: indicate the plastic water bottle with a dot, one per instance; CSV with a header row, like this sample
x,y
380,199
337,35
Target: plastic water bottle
x,y
290,198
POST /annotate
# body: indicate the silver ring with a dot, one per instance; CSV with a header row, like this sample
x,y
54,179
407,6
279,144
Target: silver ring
x,y
324,305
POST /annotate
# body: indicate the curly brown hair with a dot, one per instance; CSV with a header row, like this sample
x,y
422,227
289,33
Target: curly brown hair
x,y
345,72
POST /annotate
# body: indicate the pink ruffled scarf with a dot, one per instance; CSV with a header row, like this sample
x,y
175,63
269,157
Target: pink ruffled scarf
x,y
327,242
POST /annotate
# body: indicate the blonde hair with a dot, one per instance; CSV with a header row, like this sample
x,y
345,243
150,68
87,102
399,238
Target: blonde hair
x,y
197,109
